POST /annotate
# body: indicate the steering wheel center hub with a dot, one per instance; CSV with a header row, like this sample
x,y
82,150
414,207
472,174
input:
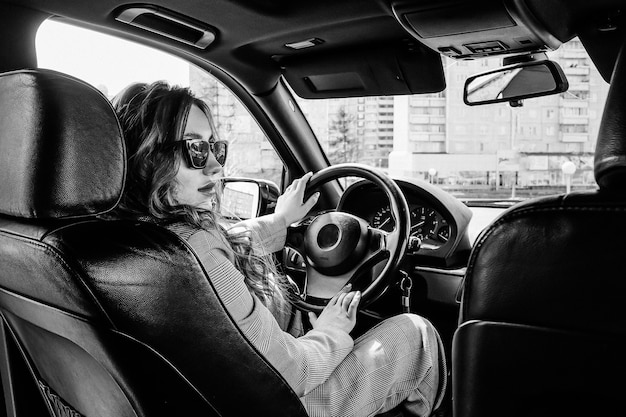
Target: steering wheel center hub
x,y
335,242
329,236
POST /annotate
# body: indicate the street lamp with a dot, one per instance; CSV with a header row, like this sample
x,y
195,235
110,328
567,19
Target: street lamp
x,y
568,169
431,174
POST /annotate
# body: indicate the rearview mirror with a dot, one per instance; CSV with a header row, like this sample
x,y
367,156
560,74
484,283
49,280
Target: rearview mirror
x,y
515,82
246,198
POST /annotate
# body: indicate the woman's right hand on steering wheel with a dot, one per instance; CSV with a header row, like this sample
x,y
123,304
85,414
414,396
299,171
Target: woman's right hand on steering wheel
x,y
340,312
291,205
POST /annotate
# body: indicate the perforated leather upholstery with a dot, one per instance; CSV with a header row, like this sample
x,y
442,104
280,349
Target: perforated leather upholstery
x,y
542,327
114,318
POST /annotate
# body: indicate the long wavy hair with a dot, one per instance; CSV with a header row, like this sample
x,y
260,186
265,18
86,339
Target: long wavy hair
x,y
152,115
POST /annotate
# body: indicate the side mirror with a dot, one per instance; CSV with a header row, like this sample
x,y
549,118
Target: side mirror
x,y
515,82
246,198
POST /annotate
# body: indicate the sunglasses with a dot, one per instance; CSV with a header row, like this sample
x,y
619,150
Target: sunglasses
x,y
197,151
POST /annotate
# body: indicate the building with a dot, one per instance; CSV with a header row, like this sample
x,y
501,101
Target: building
x,y
499,145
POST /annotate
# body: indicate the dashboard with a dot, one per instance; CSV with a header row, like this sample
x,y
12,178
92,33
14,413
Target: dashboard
x,y
438,219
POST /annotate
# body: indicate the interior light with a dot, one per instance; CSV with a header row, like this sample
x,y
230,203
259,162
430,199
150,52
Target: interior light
x,y
305,44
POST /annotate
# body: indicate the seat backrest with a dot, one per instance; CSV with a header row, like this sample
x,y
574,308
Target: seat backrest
x,y
104,317
542,328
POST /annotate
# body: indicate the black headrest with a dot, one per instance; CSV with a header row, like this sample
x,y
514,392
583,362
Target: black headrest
x,y
61,148
610,157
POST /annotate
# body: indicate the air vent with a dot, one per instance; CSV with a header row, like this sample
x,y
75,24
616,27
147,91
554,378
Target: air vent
x,y
169,24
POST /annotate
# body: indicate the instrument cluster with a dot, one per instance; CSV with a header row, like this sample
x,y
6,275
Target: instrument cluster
x,y
427,224
438,219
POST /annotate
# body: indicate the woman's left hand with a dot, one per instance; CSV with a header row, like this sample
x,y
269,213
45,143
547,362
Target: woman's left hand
x,y
291,205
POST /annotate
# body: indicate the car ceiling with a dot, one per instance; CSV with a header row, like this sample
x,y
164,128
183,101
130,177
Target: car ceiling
x,y
251,37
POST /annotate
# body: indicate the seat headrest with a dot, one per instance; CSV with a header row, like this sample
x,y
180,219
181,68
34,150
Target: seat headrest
x,y
61,148
610,156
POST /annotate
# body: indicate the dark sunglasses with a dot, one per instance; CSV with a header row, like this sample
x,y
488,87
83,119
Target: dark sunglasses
x,y
197,151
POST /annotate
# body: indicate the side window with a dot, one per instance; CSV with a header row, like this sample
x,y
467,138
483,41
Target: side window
x,y
110,64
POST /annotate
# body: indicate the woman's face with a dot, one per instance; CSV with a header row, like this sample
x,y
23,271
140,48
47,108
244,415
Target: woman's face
x,y
196,187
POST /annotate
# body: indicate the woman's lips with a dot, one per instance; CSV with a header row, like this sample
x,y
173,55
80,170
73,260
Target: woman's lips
x,y
207,188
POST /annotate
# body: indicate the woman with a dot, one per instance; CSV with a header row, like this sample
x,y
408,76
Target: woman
x,y
175,161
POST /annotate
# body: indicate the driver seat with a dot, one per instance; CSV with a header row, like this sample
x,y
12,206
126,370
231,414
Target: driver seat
x,y
103,317
543,326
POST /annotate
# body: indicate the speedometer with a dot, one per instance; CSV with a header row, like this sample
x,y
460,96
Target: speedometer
x,y
424,222
383,220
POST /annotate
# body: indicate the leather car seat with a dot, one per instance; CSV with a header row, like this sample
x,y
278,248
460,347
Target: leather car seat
x,y
102,317
542,320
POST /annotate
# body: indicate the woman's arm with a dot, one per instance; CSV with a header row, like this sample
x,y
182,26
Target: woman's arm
x,y
305,362
270,230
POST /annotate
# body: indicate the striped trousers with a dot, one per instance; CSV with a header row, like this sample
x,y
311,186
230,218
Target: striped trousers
x,y
398,362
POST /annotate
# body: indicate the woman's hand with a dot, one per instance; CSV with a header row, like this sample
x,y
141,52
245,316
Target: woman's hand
x,y
291,205
340,312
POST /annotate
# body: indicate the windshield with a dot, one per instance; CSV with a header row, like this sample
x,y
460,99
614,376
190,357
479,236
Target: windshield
x,y
475,152
485,152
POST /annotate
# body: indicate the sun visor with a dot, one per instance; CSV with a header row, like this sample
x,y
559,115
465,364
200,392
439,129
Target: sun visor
x,y
375,70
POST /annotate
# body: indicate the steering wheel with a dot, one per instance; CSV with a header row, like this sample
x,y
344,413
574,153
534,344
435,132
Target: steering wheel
x,y
340,248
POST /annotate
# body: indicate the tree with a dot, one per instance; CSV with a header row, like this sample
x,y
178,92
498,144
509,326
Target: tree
x,y
343,146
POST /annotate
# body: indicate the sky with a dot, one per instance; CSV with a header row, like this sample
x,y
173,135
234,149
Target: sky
x,y
102,60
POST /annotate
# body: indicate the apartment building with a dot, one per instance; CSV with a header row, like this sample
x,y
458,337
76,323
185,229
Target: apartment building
x,y
498,144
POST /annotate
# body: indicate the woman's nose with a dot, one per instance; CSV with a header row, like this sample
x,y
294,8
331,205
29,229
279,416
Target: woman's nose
x,y
212,166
